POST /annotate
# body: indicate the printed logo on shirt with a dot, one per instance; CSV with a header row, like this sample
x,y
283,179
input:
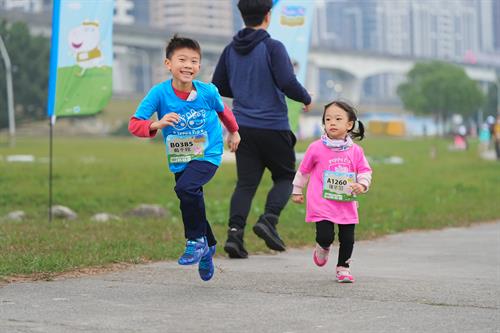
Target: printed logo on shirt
x,y
192,119
339,160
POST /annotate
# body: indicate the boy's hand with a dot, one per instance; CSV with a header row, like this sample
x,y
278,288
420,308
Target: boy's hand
x,y
298,198
169,119
233,140
357,188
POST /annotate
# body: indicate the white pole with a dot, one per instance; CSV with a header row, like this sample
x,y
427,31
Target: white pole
x,y
498,94
10,92
145,69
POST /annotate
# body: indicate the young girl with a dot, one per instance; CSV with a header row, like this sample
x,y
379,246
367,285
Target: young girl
x,y
338,171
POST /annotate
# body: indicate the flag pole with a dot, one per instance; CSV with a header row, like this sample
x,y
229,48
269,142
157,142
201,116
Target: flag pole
x,y
54,50
51,135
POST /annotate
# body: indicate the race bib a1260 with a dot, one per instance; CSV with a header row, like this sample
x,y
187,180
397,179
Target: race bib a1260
x,y
337,185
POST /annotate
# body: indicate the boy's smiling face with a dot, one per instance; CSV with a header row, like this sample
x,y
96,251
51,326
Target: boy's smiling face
x,y
184,64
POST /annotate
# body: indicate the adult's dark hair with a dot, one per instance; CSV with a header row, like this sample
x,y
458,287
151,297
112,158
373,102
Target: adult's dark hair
x,y
180,43
253,12
356,132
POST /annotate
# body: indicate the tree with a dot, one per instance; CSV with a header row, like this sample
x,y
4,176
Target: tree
x,y
440,89
29,56
491,101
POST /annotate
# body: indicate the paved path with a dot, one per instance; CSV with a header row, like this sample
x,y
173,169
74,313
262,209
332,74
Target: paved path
x,y
439,281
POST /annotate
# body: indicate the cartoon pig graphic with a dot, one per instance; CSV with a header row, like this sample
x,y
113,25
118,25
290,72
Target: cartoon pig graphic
x,y
84,43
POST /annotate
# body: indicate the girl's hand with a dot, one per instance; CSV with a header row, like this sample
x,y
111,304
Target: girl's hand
x,y
298,198
233,140
169,119
357,188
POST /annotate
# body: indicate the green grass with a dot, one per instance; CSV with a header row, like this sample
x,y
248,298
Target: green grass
x,y
118,111
114,175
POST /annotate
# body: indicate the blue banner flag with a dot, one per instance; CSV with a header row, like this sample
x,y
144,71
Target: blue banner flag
x,y
291,24
81,57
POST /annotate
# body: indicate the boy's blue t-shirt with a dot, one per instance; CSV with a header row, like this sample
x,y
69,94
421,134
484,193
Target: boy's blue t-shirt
x,y
198,134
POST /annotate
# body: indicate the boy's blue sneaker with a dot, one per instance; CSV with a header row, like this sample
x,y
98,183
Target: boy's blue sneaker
x,y
195,249
206,266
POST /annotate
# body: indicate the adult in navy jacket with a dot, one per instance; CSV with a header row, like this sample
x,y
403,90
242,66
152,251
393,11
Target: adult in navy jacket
x,y
256,72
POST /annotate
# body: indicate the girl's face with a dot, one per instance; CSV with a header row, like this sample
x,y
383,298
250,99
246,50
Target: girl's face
x,y
337,123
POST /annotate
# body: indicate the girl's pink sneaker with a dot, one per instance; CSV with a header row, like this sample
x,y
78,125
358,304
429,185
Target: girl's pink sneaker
x,y
344,275
320,255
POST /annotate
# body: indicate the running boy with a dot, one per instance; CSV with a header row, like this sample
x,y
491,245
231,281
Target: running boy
x,y
337,170
187,115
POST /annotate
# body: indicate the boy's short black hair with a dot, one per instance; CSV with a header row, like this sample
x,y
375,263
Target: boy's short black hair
x,y
179,43
254,11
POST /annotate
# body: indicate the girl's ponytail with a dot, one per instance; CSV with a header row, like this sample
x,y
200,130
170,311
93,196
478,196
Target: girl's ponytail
x,y
358,130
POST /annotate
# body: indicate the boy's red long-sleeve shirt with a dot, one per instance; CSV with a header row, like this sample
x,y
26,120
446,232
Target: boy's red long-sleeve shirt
x,y
141,128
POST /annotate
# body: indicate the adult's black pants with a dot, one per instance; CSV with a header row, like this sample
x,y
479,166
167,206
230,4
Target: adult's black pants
x,y
260,149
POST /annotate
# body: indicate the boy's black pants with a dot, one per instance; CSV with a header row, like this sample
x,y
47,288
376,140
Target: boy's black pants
x,y
325,234
189,188
260,149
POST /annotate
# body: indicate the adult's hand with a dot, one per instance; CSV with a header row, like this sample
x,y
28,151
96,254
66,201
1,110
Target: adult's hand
x,y
308,107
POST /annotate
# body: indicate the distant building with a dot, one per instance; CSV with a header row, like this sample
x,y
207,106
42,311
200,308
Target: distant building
x,y
237,20
451,30
123,12
394,27
141,11
130,12
445,29
345,24
205,17
486,30
496,24
31,6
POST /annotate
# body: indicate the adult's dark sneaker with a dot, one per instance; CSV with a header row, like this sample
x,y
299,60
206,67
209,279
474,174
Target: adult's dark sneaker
x,y
234,244
265,228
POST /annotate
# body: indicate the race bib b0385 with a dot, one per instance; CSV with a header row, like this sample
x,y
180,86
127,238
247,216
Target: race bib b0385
x,y
183,149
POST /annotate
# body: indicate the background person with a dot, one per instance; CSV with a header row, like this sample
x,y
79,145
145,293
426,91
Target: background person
x,y
255,70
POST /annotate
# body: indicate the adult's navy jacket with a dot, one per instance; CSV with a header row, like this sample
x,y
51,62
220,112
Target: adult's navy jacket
x,y
255,70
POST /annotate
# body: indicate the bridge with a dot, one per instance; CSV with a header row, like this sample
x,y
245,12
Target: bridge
x,y
359,66
142,47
